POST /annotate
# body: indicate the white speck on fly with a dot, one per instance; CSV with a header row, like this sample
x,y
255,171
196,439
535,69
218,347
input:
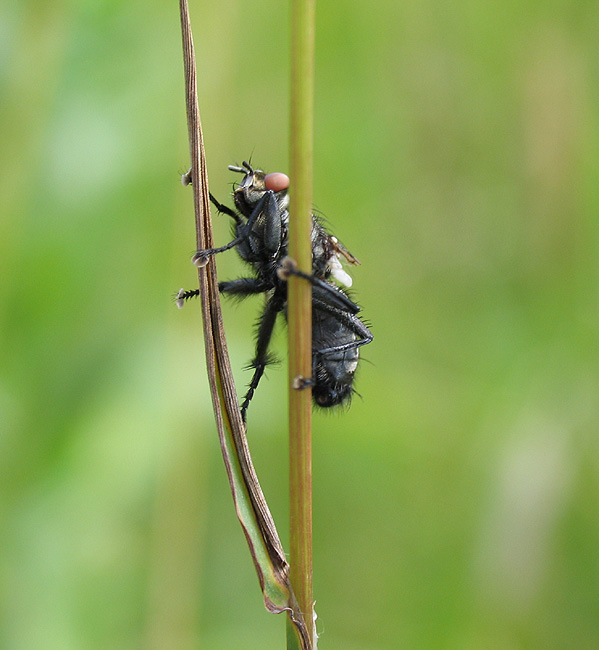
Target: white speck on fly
x,y
337,271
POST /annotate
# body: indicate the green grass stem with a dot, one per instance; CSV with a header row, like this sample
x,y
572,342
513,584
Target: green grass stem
x,y
300,307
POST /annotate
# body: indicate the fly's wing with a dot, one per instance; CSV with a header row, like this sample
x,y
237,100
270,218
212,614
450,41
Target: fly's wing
x,y
337,251
340,249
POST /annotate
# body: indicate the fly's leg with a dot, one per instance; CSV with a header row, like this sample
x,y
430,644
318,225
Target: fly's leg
x,y
243,287
225,209
262,358
186,179
240,288
183,295
299,383
341,301
201,258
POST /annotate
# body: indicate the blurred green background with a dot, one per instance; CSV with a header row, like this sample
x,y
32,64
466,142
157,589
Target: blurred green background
x,y
456,154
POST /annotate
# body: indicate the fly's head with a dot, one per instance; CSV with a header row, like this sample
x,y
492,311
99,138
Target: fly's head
x,y
255,184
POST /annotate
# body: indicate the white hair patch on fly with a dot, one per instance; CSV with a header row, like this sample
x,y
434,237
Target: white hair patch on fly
x,y
338,272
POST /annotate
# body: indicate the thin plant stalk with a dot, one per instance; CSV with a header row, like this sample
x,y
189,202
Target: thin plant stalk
x,y
300,309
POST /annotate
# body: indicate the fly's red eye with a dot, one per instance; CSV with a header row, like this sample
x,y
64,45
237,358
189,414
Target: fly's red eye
x,y
276,181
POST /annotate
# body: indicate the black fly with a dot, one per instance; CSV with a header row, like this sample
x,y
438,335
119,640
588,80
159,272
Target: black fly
x,y
260,235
